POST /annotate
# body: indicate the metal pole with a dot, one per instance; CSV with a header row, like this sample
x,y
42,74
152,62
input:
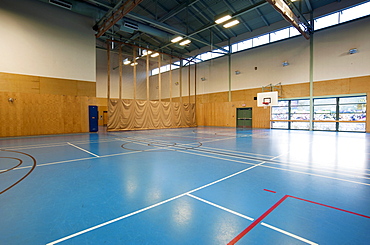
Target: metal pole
x,y
311,74
189,81
159,80
108,70
229,62
180,81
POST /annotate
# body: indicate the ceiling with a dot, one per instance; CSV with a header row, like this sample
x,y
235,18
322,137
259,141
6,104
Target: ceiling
x,y
156,22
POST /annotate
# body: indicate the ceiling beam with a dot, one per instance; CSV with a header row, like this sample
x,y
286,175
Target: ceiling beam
x,y
233,9
177,10
115,14
309,6
217,27
260,14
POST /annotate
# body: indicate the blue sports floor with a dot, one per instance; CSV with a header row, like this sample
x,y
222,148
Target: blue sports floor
x,y
204,185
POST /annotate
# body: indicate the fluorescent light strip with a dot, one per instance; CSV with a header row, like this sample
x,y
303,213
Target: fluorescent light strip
x,y
231,23
154,55
176,39
183,43
223,19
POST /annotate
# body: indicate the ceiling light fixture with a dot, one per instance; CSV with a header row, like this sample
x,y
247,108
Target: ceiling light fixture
x,y
146,52
185,42
177,39
154,55
223,19
126,61
353,51
134,63
231,23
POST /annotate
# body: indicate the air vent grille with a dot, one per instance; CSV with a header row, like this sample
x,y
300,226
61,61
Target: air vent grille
x,y
62,4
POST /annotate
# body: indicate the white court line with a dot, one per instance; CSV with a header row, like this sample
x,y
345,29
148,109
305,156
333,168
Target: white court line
x,y
231,160
347,173
220,207
54,144
251,219
289,234
82,149
295,171
79,159
149,207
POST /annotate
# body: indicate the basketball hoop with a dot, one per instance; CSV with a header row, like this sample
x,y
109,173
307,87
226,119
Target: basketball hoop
x,y
265,104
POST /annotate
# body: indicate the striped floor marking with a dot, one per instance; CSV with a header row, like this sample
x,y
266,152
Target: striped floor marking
x,y
278,203
251,219
149,207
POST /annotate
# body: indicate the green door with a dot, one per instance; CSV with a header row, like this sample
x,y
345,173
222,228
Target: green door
x,y
244,117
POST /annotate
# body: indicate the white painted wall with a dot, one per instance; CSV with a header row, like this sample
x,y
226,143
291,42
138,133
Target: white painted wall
x,y
331,58
44,40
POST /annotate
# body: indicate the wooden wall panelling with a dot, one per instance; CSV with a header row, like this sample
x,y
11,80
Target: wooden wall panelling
x,y
58,86
295,90
9,115
19,83
331,87
359,84
36,114
86,88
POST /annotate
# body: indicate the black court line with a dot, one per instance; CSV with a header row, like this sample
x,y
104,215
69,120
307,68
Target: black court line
x,y
28,173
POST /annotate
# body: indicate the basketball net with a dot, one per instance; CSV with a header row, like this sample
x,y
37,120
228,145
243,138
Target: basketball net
x,y
265,104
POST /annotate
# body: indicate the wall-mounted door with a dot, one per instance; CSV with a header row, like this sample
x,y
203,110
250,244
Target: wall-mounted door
x,y
244,117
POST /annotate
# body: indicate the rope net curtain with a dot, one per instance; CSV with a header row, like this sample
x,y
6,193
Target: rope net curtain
x,y
138,99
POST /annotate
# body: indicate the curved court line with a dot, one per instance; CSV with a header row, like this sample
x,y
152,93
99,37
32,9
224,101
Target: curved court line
x,y
28,173
252,219
218,151
232,160
20,147
149,207
19,164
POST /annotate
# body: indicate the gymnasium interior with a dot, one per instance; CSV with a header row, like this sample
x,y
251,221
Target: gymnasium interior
x,y
184,122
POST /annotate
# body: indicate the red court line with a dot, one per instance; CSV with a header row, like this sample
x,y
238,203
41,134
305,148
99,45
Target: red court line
x,y
251,226
343,210
257,221
269,191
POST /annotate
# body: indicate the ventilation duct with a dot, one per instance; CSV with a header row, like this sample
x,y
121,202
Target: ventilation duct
x,y
131,26
62,4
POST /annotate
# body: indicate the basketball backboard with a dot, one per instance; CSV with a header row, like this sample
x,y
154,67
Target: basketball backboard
x,y
267,99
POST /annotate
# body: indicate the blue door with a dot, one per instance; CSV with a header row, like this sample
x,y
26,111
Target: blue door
x,y
93,118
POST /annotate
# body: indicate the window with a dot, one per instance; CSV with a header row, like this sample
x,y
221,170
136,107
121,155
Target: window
x,y
326,21
335,18
279,35
354,12
352,109
257,41
329,114
155,71
325,109
293,111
